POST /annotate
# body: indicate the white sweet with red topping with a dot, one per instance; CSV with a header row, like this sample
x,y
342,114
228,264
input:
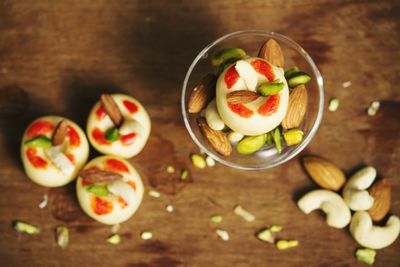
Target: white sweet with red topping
x,y
122,198
261,115
133,133
53,166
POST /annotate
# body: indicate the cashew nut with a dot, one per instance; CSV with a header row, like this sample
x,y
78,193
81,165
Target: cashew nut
x,y
337,213
374,237
354,192
212,117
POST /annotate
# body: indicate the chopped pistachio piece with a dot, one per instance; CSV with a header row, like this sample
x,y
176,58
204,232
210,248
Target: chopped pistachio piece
x,y
154,193
276,136
184,174
62,236
346,84
333,104
373,108
112,134
275,228
169,208
198,161
146,235
170,169
293,137
366,255
210,161
114,239
38,141
224,235
285,244
98,189
266,236
26,228
216,219
239,210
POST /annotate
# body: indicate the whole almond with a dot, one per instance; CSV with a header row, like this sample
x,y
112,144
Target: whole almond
x,y
272,52
298,101
217,139
111,108
60,133
326,174
202,93
93,175
381,193
241,96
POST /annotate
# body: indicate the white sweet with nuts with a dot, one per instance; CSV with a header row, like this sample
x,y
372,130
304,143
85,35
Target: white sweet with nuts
x,y
133,131
337,213
212,117
247,119
371,236
354,192
49,165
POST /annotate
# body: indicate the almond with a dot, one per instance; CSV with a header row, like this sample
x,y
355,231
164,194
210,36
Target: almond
x,y
111,108
202,93
298,100
60,133
217,139
241,97
380,191
272,52
326,174
93,175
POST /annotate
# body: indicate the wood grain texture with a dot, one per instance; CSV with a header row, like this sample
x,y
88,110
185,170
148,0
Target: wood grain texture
x,y
57,57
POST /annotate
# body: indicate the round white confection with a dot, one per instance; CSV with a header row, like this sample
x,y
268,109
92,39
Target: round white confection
x,y
118,148
256,124
119,212
51,175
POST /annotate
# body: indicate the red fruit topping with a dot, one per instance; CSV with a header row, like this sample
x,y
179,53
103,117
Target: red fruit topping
x,y
116,165
74,139
270,106
71,157
41,127
263,68
231,77
122,202
132,184
241,110
101,112
98,135
128,139
36,161
101,206
132,107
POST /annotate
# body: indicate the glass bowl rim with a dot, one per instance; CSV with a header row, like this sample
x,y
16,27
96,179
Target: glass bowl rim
x,y
314,127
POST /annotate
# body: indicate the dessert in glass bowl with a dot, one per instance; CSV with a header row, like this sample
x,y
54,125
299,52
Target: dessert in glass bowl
x,y
245,107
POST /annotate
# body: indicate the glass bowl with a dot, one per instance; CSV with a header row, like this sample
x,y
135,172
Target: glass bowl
x,y
251,41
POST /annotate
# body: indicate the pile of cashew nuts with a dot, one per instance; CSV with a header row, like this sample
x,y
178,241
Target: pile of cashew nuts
x,y
355,198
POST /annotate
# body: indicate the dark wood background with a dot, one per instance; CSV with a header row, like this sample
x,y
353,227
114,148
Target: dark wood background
x,y
56,57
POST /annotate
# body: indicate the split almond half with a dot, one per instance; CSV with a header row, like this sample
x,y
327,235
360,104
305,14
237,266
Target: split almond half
x,y
272,52
381,193
111,108
92,176
217,139
241,97
298,101
326,174
60,133
202,93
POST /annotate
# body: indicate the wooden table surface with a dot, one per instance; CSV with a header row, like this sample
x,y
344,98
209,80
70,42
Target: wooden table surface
x,y
57,57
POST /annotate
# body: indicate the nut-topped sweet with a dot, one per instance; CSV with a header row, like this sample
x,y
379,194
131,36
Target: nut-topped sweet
x,y
118,125
53,150
256,105
109,189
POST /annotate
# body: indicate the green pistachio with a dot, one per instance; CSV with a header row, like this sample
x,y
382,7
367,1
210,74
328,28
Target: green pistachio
x,y
38,141
366,255
98,189
293,137
112,134
290,72
251,144
276,136
225,54
270,88
62,236
26,228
